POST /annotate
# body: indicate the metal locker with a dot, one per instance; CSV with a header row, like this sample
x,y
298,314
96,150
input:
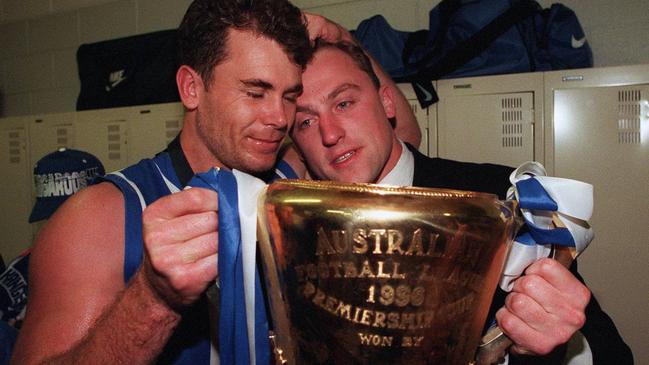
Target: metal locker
x,y
599,133
103,133
49,132
152,128
491,119
15,198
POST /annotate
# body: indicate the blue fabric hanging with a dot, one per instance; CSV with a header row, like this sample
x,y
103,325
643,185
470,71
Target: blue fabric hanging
x,y
233,322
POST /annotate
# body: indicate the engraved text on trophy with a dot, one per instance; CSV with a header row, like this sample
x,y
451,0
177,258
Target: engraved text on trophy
x,y
388,281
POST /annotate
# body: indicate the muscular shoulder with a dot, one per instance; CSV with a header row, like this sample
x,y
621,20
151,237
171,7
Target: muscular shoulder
x,y
88,228
94,208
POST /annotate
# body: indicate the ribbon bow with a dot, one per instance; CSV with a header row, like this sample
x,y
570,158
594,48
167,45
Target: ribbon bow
x,y
556,212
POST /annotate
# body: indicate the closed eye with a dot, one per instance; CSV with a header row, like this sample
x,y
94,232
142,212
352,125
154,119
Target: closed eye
x,y
254,95
292,97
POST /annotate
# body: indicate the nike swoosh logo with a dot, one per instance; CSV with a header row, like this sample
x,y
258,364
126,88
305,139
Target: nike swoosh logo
x,y
577,43
428,95
113,84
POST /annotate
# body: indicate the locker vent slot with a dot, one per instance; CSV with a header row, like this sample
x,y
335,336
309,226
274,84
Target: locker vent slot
x,y
15,155
172,127
114,138
629,116
512,122
62,137
414,105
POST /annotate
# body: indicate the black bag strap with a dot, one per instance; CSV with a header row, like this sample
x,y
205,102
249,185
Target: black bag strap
x,y
470,48
447,8
481,40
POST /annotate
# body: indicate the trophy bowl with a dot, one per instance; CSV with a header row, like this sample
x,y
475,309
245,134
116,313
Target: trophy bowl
x,y
369,274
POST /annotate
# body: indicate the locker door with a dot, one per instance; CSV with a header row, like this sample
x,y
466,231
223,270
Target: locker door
x,y
15,195
426,118
601,136
152,128
494,128
49,132
104,134
491,118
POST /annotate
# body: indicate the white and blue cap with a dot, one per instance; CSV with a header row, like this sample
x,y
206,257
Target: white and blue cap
x,y
58,176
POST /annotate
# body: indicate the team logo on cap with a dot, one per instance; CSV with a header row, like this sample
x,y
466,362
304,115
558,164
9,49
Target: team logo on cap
x,y
63,184
59,175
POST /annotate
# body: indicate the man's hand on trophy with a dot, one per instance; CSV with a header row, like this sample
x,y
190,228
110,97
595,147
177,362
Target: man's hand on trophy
x,y
544,309
181,244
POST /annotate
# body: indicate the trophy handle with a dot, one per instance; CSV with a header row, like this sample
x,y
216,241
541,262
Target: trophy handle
x,y
278,353
494,344
493,347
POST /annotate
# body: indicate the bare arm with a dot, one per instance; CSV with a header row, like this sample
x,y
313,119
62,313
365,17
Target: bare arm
x,y
406,126
76,279
79,309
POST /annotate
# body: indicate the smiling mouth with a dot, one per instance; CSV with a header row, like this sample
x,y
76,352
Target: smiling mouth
x,y
344,157
266,145
261,140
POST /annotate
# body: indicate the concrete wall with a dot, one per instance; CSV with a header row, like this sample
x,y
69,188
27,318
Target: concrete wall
x,y
39,38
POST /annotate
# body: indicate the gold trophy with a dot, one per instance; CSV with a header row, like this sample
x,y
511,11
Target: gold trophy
x,y
368,274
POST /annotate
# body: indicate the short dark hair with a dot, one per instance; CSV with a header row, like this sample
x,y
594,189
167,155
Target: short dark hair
x,y
204,30
355,52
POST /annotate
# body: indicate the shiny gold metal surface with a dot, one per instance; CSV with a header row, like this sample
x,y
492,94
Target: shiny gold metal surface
x,y
364,274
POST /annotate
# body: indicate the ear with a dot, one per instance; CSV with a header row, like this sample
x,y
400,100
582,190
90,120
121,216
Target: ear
x,y
387,99
189,85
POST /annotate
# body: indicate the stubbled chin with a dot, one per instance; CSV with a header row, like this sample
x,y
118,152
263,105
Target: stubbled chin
x,y
260,162
347,177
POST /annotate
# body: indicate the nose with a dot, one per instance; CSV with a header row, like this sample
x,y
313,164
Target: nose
x,y
278,113
330,130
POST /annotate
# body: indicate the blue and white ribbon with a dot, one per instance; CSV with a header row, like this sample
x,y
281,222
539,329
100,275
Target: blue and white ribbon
x,y
556,212
243,326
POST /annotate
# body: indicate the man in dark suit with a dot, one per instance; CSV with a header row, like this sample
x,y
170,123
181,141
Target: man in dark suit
x,y
343,132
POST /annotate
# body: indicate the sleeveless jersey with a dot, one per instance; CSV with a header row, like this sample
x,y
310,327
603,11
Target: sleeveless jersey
x,y
142,184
